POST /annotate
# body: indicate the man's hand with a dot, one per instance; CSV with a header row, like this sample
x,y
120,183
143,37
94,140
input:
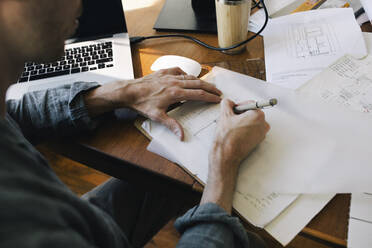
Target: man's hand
x,y
236,137
152,95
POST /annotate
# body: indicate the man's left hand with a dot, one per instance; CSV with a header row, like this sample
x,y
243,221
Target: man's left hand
x,y
152,95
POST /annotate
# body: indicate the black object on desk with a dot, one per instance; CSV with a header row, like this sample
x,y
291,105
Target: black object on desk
x,y
187,16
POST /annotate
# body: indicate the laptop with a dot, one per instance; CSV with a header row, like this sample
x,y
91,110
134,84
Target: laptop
x,y
98,52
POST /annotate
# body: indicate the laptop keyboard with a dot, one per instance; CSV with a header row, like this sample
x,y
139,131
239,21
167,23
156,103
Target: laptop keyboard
x,y
76,60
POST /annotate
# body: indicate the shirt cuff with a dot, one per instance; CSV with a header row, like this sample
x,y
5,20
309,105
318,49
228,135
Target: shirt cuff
x,y
213,214
78,111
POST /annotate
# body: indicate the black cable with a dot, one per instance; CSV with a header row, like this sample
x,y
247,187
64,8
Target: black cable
x,y
137,39
256,5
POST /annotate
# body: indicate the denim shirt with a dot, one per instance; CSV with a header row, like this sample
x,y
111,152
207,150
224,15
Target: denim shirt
x,y
38,210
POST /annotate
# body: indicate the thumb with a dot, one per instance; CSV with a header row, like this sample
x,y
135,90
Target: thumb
x,y
227,106
172,125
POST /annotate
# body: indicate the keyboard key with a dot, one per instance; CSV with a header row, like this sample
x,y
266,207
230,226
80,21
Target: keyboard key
x,y
38,67
109,55
79,60
83,64
75,66
70,62
87,59
49,70
110,65
42,71
93,68
101,66
63,62
23,79
91,62
84,69
103,56
95,57
31,68
75,70
70,57
33,73
48,75
66,67
77,56
85,54
101,61
29,64
25,74
58,68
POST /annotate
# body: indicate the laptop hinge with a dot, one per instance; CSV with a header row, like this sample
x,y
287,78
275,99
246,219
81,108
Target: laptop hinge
x,y
71,41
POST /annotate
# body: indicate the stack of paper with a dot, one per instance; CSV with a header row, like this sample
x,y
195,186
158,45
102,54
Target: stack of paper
x,y
294,146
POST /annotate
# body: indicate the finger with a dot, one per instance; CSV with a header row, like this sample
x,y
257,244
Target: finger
x,y
227,106
199,84
197,95
174,71
172,125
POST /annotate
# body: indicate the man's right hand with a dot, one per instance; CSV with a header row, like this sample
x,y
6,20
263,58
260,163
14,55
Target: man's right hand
x,y
236,137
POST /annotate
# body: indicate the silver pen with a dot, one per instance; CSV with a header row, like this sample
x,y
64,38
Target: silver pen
x,y
255,105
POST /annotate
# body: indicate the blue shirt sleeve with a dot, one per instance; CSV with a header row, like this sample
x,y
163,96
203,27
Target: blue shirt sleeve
x,y
209,225
58,111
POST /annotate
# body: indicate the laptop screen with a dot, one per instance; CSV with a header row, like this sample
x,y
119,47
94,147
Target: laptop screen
x,y
101,18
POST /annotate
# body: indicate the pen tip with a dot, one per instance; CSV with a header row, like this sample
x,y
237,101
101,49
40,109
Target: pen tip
x,y
273,101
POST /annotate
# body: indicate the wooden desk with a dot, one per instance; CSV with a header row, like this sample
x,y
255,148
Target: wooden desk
x,y
122,141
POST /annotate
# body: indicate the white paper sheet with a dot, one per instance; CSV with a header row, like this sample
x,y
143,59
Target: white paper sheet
x,y
367,5
294,218
361,207
300,45
363,18
347,82
360,221
282,7
256,22
359,235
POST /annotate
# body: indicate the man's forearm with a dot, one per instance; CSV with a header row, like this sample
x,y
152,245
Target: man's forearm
x,y
57,111
220,185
